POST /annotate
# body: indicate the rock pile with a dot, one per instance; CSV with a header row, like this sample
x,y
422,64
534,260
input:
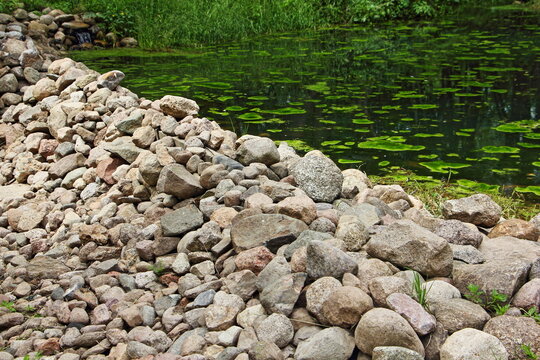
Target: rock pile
x,y
57,30
135,229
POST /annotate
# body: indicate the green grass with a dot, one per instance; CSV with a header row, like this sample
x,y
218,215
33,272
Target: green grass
x,y
433,193
159,24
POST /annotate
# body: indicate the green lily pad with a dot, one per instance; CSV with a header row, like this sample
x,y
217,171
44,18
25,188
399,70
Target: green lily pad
x,y
424,106
330,142
536,163
443,166
424,135
500,149
389,146
258,98
529,145
284,111
349,161
321,87
250,116
512,128
529,189
235,108
384,163
215,85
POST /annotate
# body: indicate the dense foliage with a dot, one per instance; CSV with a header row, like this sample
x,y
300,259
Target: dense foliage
x,y
166,23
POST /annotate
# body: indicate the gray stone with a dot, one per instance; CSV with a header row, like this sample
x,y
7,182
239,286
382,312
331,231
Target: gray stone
x,y
8,83
467,253
457,314
383,327
181,221
270,230
332,343
402,242
124,148
175,180
276,328
394,353
325,260
477,209
318,176
257,150
178,107
460,233
472,344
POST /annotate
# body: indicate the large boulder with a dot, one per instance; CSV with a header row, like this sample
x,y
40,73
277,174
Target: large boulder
x,y
457,314
406,244
472,344
505,276
383,327
257,150
176,180
318,176
477,209
514,331
270,230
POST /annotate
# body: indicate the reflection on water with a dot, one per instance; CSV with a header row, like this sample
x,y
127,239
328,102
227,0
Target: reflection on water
x,y
432,97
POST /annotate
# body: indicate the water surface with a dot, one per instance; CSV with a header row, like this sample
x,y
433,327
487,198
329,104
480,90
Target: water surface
x,y
456,98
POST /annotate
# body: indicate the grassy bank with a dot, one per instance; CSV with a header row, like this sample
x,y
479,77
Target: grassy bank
x,y
433,193
165,23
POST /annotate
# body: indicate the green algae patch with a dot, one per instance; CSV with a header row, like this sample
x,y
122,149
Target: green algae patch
x,y
321,87
299,145
440,166
389,145
284,111
500,149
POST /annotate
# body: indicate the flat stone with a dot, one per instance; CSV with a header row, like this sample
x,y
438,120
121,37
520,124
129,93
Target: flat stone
x,y
270,230
181,221
421,321
402,242
178,107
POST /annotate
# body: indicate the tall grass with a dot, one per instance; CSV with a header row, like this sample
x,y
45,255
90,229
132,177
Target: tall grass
x,y
176,23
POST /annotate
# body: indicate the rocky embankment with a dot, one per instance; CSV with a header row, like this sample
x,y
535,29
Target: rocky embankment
x,y
137,229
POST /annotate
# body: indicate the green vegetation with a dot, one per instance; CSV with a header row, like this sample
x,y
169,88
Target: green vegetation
x,y
158,268
494,302
528,352
10,305
165,23
38,355
420,290
433,193
532,313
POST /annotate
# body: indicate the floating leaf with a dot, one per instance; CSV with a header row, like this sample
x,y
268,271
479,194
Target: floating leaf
x,y
250,116
424,135
284,111
349,161
529,189
235,108
500,149
443,166
384,163
389,146
423,106
320,86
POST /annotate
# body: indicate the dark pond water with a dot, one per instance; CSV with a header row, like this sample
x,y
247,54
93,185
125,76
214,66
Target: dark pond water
x,y
459,96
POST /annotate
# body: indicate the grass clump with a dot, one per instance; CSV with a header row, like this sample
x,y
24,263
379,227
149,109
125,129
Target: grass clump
x,y
528,352
494,302
420,290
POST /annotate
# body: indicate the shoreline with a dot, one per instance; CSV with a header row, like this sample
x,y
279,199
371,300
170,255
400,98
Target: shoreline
x,y
135,229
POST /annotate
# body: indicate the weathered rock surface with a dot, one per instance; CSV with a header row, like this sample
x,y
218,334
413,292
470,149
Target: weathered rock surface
x,y
403,239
